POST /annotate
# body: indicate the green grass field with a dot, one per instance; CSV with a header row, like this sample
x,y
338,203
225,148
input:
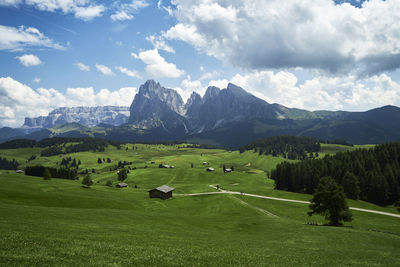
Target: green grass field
x,y
60,223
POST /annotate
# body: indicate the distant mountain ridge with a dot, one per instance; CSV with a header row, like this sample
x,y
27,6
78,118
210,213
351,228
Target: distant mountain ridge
x,y
230,117
89,116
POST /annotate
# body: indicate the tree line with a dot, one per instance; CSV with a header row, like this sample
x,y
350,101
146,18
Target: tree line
x,y
291,147
64,173
371,175
6,164
56,141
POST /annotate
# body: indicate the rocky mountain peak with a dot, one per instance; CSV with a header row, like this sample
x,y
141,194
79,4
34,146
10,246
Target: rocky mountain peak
x,y
211,93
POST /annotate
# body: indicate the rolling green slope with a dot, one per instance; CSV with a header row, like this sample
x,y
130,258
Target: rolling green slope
x,y
59,222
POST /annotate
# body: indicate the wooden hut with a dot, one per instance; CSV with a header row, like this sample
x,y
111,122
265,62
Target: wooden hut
x,y
163,192
122,185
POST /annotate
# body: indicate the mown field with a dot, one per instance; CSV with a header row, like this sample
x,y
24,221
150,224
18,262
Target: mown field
x,y
60,222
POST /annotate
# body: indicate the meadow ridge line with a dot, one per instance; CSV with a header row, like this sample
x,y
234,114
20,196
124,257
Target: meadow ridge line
x,y
282,199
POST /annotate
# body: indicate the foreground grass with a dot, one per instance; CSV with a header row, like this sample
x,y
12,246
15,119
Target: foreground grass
x,y
59,223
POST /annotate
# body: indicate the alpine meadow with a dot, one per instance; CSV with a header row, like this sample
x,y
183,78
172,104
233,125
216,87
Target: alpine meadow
x,y
199,133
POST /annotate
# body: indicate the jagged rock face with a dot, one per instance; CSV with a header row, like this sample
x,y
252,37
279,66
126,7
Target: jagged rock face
x,y
155,106
222,106
89,116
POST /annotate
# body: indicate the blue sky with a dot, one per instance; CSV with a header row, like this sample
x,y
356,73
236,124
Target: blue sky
x,y
306,54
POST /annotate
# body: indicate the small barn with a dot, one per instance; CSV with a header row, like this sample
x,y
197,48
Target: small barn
x,y
122,185
19,171
210,169
227,170
163,192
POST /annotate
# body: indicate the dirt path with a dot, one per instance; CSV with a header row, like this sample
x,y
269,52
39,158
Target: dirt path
x,y
221,191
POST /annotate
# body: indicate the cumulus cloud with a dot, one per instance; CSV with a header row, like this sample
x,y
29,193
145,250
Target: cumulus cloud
x,y
159,43
29,60
320,92
12,38
131,73
36,80
18,100
156,66
82,9
82,66
261,34
126,11
104,69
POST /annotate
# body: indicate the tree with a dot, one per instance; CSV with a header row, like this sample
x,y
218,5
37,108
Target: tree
x,y
351,185
122,175
109,183
46,174
99,160
87,180
329,200
191,165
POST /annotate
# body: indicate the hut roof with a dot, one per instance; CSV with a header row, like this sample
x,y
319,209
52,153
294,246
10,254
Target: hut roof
x,y
122,185
163,188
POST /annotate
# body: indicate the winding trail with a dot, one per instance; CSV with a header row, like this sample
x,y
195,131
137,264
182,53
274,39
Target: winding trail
x,y
221,191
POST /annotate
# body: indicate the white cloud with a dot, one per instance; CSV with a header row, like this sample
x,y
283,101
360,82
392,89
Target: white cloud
x,y
18,100
89,12
29,60
131,73
10,2
82,9
126,11
36,80
320,92
82,66
156,66
261,34
104,69
14,39
159,43
121,15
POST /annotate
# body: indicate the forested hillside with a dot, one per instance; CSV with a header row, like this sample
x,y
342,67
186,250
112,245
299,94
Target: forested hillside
x,y
372,174
291,147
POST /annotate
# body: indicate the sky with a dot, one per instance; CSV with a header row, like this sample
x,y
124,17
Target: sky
x,y
309,54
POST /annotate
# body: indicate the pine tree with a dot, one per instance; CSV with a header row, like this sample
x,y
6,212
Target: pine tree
x,y
46,174
329,200
87,181
351,185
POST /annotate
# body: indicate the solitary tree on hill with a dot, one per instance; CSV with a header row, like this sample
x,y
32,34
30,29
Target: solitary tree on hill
x,y
122,175
329,200
87,180
46,174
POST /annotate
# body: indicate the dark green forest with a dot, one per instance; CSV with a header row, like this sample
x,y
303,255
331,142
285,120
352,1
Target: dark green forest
x,y
291,147
6,164
371,175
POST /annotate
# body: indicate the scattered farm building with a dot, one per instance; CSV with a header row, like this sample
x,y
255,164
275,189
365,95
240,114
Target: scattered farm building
x,y
228,170
19,171
122,185
205,163
210,169
163,192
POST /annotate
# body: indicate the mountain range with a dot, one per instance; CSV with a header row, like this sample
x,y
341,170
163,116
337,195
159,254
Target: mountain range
x,y
230,117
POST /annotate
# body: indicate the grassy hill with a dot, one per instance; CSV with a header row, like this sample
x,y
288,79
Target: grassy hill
x,y
59,222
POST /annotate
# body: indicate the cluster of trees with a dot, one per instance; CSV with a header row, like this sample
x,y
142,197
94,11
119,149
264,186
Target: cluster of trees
x,y
6,164
291,147
51,151
68,162
40,171
371,175
18,143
